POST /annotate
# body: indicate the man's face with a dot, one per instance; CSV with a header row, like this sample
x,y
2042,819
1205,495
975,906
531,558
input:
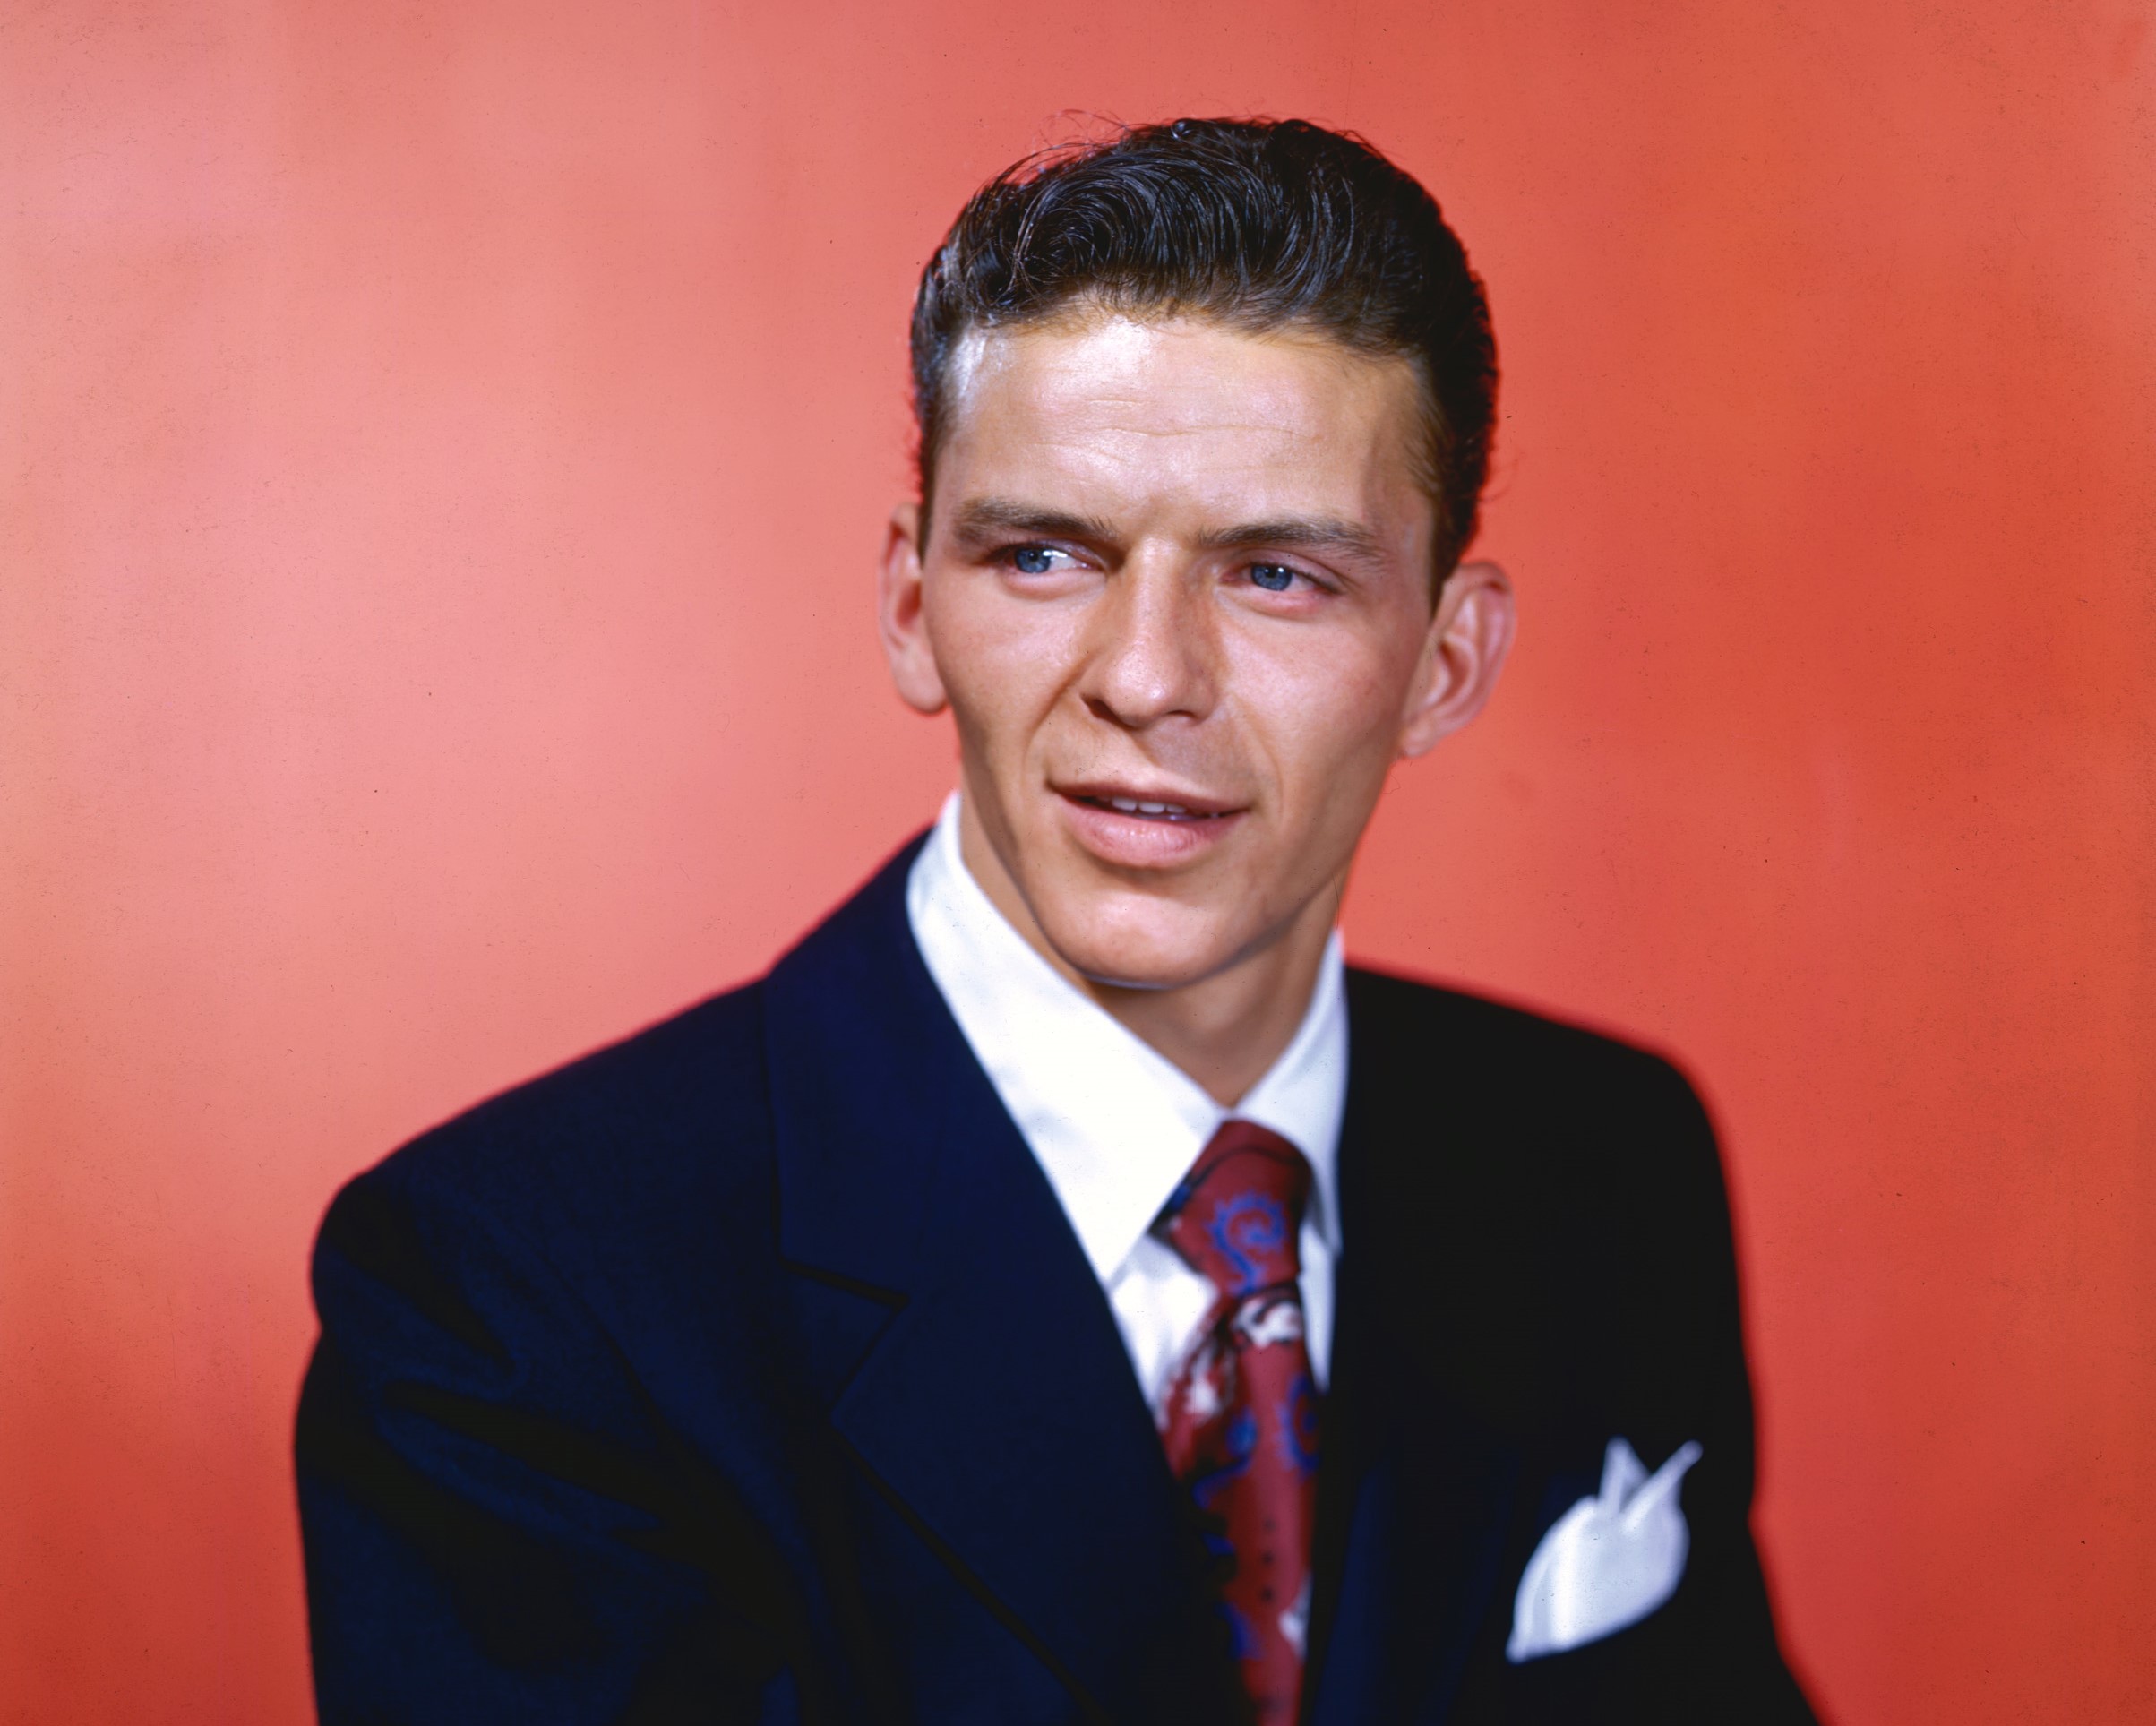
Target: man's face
x,y
1177,594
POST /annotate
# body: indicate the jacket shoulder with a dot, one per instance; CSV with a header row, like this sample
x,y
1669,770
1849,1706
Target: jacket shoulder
x,y
668,1123
1518,1165
1397,1018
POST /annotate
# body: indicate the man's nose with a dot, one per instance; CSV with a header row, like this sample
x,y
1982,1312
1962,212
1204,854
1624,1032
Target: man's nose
x,y
1155,652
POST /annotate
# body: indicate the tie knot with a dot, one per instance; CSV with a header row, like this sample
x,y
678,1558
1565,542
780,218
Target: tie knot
x,y
1237,1217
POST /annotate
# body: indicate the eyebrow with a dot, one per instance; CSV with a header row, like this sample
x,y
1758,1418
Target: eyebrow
x,y
1311,534
983,518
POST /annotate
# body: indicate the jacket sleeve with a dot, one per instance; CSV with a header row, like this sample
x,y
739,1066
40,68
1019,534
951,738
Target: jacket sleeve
x,y
1733,1667
498,1527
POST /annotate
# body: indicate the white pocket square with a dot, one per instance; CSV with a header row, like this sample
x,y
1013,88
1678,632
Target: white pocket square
x,y
1608,1561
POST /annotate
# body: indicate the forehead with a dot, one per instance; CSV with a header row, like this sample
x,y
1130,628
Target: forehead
x,y
1190,414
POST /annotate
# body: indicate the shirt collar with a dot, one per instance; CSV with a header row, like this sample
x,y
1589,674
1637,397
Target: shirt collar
x,y
1113,1122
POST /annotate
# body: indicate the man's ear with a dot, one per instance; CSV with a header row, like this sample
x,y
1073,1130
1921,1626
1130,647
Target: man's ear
x,y
1470,634
900,618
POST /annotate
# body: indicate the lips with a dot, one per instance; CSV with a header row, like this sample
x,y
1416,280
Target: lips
x,y
1154,804
1146,827
1134,806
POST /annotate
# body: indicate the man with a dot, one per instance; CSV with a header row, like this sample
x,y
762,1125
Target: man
x,y
1061,1289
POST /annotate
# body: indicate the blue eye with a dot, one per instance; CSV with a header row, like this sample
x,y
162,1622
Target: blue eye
x,y
1274,578
1032,560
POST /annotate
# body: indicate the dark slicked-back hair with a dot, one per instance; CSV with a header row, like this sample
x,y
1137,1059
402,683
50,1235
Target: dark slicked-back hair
x,y
1260,224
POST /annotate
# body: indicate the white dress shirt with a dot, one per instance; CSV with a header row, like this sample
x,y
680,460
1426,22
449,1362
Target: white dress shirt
x,y
1114,1123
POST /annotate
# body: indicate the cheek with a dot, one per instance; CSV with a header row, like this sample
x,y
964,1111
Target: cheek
x,y
1331,721
1002,660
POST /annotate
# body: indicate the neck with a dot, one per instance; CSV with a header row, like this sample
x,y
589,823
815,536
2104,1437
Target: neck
x,y
1224,1029
1228,1029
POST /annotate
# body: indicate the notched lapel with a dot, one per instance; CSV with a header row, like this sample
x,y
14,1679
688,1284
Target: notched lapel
x,y
978,1375
1418,1488
1416,1501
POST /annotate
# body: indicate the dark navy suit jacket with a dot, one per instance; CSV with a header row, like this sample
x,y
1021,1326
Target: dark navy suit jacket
x,y
748,1370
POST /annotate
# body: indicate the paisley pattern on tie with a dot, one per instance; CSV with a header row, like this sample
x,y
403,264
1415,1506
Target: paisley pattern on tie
x,y
1240,1419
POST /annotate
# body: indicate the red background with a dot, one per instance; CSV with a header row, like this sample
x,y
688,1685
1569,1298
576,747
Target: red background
x,y
444,449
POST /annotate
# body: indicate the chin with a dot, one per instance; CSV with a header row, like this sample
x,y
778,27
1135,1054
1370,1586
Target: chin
x,y
1150,945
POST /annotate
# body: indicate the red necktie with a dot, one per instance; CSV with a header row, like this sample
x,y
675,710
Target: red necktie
x,y
1240,1422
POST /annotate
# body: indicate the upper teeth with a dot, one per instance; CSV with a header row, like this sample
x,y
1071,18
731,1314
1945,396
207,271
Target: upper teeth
x,y
1132,806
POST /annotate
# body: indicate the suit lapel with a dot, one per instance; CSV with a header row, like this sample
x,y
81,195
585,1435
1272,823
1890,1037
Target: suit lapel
x,y
1417,1489
975,1370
